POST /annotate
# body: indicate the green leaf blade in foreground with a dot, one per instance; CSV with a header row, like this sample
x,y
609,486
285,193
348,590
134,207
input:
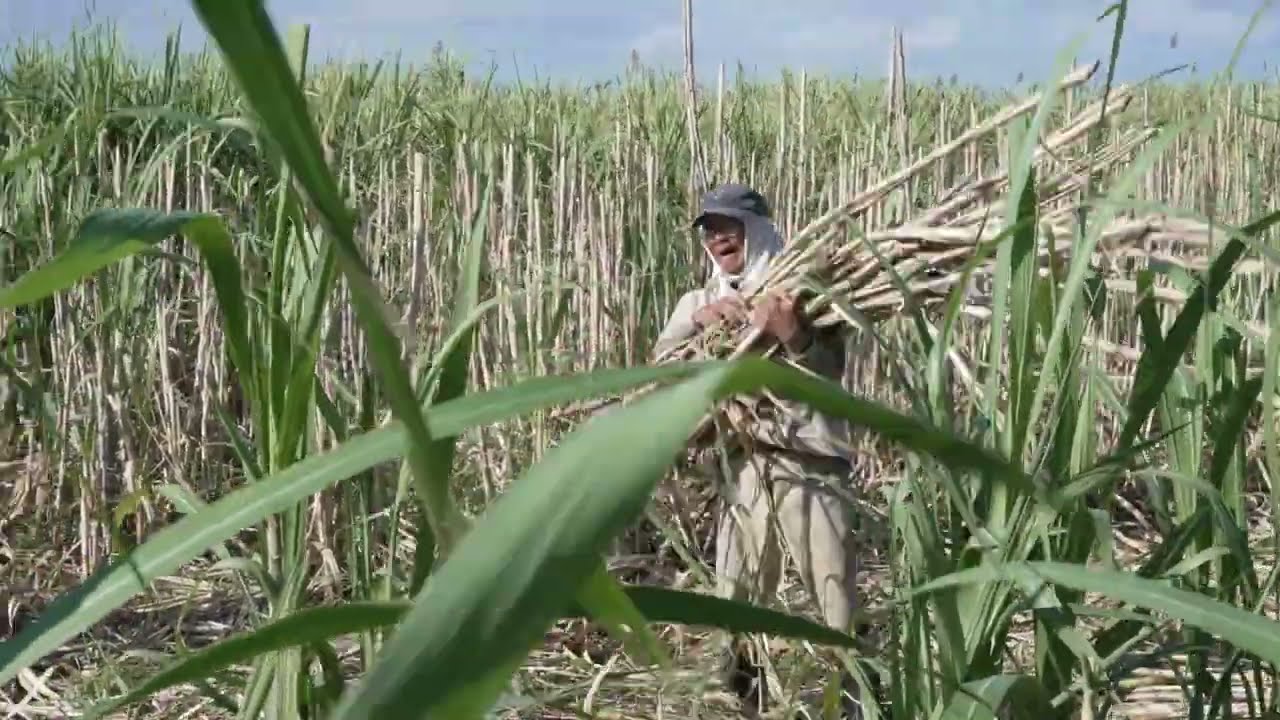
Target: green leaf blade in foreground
x,y
168,549
525,560
455,362
663,605
253,52
16,159
310,625
256,57
112,234
453,376
104,237
301,627
999,696
1245,630
1156,365
1078,268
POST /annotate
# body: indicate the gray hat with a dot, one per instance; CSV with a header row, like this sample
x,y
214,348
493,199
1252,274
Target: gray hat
x,y
734,200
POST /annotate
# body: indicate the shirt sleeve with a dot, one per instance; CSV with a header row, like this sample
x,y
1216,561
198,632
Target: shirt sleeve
x,y
680,325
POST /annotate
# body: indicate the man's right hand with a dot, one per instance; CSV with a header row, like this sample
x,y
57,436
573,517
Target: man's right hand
x,y
729,309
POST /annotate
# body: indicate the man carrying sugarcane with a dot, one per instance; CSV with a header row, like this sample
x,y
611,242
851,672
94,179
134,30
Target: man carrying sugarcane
x,y
781,474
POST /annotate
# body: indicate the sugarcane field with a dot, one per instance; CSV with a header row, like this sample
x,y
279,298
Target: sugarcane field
x,y
392,387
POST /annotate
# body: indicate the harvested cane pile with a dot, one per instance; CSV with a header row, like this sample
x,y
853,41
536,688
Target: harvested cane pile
x,y
840,273
846,276
919,262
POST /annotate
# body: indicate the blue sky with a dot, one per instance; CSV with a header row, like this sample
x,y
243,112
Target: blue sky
x,y
981,41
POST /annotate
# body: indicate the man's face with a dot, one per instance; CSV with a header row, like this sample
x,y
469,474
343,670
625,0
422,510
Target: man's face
x,y
726,239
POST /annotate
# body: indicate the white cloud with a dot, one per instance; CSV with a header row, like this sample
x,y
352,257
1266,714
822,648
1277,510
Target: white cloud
x,y
936,32
775,36
835,34
660,41
1196,20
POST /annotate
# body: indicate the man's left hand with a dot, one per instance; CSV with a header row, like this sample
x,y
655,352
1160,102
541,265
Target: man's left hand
x,y
776,315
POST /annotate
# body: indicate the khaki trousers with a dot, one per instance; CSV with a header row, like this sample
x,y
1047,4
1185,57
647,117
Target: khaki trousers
x,y
775,498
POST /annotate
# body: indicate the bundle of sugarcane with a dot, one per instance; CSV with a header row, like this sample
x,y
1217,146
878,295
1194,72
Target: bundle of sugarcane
x,y
840,273
919,262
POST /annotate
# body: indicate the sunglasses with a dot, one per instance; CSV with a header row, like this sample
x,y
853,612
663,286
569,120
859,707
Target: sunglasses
x,y
716,226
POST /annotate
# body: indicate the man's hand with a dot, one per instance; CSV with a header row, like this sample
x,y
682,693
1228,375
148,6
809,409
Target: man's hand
x,y
776,315
729,309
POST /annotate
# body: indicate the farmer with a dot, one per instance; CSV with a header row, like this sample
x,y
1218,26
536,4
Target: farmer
x,y
779,489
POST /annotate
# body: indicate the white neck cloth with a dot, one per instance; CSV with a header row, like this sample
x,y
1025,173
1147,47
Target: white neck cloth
x,y
763,244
